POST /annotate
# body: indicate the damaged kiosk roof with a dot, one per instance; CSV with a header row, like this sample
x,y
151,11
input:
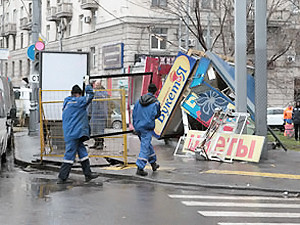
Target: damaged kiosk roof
x,y
227,73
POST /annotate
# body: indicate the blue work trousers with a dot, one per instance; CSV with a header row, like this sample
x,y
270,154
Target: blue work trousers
x,y
73,147
147,153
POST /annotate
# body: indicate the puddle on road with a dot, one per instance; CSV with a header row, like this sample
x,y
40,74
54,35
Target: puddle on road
x,y
43,187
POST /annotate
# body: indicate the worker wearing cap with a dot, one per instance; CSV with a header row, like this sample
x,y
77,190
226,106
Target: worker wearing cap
x,y
145,111
76,131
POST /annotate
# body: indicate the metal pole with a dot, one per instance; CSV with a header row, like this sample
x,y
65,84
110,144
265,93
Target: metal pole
x,y
240,56
36,27
261,72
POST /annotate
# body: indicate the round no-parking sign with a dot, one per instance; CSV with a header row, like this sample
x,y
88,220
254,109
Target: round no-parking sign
x,y
30,52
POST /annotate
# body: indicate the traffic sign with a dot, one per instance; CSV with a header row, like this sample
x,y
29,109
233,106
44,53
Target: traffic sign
x,y
34,78
30,52
40,46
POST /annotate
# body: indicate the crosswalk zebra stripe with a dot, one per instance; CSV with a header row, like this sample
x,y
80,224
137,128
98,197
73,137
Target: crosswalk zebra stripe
x,y
248,214
233,197
238,204
258,223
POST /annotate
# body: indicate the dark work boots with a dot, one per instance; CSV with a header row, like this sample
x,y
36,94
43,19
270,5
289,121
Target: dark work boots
x,y
64,173
141,172
154,166
86,169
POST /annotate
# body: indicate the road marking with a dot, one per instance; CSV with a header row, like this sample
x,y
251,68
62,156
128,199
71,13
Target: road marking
x,y
238,204
233,197
258,223
249,214
256,174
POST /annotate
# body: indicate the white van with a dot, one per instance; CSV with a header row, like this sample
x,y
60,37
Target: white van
x,y
22,98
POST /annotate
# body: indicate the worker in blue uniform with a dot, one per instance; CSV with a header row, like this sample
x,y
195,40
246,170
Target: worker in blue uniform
x,y
145,111
76,131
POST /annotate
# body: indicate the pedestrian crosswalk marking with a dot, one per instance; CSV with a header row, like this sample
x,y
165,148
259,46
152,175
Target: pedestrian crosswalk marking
x,y
249,214
236,204
254,198
258,223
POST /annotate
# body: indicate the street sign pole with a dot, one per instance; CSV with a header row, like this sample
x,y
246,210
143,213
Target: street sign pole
x,y
36,27
240,56
261,72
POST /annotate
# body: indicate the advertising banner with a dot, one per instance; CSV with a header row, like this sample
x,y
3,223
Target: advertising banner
x,y
172,89
249,147
202,106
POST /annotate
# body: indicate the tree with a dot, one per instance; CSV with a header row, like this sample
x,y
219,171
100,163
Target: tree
x,y
214,20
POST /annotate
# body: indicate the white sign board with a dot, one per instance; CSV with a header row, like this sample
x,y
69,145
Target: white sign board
x,y
61,71
34,78
4,53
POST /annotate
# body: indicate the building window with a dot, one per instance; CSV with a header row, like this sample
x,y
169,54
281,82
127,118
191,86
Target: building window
x,y
21,40
29,39
30,8
159,38
6,69
93,57
208,4
28,67
13,69
20,68
159,2
1,43
80,24
21,12
7,41
14,42
48,32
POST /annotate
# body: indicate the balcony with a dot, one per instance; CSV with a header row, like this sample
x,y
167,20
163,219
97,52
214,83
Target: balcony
x,y
25,23
9,29
51,14
89,5
64,10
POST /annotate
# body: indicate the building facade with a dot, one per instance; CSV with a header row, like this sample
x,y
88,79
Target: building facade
x,y
132,29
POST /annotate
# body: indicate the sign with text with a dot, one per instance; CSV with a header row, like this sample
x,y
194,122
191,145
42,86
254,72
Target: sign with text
x,y
112,56
34,78
172,88
248,147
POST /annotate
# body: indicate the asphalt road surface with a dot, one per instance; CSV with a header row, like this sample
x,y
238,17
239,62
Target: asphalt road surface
x,y
30,196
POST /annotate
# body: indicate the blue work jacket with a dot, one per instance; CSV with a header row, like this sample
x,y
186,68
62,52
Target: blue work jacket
x,y
74,116
145,111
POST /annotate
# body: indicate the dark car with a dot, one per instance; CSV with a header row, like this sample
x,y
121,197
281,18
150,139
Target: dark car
x,y
7,115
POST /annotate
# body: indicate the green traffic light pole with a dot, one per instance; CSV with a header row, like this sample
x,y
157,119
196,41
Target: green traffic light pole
x,y
36,27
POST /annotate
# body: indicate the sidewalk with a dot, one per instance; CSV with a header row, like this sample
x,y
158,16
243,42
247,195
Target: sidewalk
x,y
280,173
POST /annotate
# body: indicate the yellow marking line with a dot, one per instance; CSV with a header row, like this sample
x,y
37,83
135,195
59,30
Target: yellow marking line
x,y
130,166
255,174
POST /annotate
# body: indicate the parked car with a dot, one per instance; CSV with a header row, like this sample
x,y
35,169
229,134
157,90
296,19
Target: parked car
x,y
7,115
275,118
116,119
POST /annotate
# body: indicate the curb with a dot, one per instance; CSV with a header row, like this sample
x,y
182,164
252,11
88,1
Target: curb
x,y
145,179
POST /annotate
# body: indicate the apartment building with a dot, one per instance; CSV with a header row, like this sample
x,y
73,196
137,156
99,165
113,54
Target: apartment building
x,y
132,29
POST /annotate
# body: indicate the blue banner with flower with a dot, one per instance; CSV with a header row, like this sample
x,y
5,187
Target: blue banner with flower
x,y
202,106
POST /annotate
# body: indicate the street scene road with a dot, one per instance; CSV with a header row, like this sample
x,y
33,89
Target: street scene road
x,y
32,196
149,112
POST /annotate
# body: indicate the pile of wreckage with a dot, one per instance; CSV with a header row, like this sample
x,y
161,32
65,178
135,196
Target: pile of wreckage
x,y
197,105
